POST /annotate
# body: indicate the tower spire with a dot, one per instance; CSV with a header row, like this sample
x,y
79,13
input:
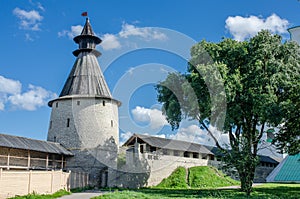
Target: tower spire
x,y
87,40
86,78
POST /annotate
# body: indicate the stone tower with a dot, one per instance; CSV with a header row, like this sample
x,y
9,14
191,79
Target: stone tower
x,y
84,119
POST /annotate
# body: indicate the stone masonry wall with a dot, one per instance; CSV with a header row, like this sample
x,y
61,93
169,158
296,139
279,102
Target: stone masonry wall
x,y
88,127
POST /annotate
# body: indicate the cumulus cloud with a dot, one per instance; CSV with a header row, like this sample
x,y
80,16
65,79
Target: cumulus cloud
x,y
244,27
11,94
191,133
29,20
110,41
144,32
194,133
74,31
154,117
9,86
113,41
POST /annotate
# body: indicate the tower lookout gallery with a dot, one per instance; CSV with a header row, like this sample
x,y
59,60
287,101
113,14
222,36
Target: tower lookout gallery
x,y
84,118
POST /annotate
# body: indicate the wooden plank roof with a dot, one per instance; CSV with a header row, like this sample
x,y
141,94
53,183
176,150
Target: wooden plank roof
x,y
17,142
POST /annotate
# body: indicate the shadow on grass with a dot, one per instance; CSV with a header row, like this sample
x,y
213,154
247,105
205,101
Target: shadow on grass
x,y
259,192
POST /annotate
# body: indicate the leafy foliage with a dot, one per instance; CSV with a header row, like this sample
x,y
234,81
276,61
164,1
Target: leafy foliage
x,y
240,88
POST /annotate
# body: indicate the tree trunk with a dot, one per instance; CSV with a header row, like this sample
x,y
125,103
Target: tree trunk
x,y
246,174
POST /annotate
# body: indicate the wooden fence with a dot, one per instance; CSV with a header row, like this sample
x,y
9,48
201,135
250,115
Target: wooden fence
x,y
14,183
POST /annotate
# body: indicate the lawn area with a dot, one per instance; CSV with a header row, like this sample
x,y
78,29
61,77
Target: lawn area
x,y
43,196
271,191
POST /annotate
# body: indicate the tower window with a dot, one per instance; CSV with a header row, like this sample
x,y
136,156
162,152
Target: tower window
x,y
111,123
78,103
68,122
50,124
103,102
56,104
54,138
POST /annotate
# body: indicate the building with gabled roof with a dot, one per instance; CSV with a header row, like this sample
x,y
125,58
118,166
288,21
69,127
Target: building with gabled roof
x,y
152,143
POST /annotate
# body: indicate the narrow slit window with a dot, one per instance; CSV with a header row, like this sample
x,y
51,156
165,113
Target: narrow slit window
x,y
54,139
103,102
56,104
50,125
68,122
111,123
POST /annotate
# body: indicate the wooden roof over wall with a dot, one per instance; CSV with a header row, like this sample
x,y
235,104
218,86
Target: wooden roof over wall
x,y
17,142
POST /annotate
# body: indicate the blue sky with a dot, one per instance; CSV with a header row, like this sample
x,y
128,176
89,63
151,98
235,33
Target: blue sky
x,y
142,42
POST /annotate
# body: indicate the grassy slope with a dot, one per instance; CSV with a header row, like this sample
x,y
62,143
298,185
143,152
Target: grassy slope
x,y
176,180
208,177
270,191
199,177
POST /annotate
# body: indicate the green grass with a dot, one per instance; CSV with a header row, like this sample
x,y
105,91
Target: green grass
x,y
271,191
208,177
43,196
176,180
81,189
198,177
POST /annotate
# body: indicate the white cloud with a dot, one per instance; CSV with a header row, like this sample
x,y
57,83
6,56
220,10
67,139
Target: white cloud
x,y
156,135
10,94
125,136
153,116
9,86
75,30
191,133
113,41
110,41
194,133
28,37
1,106
29,20
39,5
244,27
144,32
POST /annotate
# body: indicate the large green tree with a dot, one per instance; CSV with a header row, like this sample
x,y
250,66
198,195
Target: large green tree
x,y
241,88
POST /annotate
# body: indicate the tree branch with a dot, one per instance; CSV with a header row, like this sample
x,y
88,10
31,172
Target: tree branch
x,y
255,143
211,134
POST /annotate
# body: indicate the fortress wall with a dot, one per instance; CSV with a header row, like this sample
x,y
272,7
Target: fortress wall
x,y
166,164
